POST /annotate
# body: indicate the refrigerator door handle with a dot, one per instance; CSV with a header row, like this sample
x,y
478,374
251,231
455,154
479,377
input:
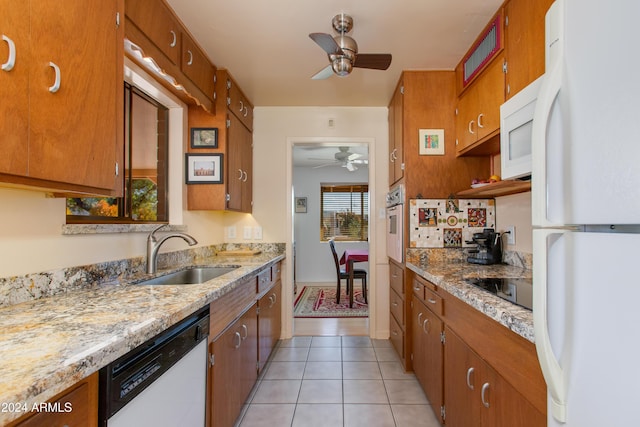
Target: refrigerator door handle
x,y
551,369
548,93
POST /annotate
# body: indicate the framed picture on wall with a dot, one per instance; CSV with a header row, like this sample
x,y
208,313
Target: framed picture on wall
x,y
204,137
203,168
301,205
431,142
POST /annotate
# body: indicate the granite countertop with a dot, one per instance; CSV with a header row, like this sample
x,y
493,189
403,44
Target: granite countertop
x,y
49,344
451,276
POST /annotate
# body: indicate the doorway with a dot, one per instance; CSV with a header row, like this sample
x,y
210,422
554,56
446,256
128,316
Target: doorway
x,y
318,163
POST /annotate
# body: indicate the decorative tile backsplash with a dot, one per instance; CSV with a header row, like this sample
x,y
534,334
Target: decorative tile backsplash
x,y
448,223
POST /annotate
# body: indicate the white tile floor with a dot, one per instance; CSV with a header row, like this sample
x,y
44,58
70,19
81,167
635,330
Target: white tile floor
x,y
344,381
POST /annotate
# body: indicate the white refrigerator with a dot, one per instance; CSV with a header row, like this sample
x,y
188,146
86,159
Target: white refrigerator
x,y
586,211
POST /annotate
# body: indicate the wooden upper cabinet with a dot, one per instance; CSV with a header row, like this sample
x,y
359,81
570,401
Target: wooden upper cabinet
x,y
14,86
238,104
478,109
396,146
73,130
69,64
197,67
156,21
524,42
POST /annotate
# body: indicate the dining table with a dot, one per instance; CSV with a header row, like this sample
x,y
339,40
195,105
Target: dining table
x,y
350,256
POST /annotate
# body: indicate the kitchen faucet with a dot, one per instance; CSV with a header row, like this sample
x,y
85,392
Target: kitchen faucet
x,y
153,245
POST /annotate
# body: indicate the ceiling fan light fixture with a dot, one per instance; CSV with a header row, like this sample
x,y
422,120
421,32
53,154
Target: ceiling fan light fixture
x,y
342,66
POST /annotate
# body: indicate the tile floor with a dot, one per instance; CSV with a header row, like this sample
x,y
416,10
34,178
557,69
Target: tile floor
x,y
328,381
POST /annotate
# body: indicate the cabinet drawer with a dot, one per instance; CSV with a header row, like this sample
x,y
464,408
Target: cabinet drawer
x,y
396,337
433,301
396,278
225,309
396,306
276,272
418,289
264,280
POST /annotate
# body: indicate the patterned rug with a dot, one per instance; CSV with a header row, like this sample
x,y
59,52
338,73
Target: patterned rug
x,y
320,301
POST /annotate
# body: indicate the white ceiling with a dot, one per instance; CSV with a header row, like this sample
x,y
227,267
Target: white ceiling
x,y
266,47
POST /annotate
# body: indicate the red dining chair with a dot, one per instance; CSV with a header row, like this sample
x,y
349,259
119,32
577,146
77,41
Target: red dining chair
x,y
342,273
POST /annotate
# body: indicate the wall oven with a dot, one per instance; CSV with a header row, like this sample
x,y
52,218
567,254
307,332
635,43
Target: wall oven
x,y
395,223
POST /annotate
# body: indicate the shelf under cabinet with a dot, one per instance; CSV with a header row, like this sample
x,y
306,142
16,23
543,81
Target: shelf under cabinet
x,y
496,189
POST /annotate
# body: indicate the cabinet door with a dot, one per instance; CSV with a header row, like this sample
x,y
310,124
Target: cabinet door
x,y
240,165
396,153
466,119
14,86
248,327
490,96
197,67
225,373
75,79
157,22
269,323
524,42
462,383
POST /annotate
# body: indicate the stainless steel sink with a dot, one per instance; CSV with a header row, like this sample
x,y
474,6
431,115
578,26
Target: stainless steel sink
x,y
189,276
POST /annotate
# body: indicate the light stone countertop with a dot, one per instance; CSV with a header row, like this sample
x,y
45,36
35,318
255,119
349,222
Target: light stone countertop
x,y
450,276
49,344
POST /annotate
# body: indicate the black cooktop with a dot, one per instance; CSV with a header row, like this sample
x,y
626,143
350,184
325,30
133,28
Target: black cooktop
x,y
515,290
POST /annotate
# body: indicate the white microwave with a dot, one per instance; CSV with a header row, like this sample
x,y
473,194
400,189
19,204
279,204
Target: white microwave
x,y
516,121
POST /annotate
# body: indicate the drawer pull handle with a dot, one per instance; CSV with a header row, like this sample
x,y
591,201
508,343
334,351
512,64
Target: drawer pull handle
x,y
417,288
395,333
56,83
395,304
239,340
11,60
432,301
272,301
190,61
485,388
469,373
420,317
174,39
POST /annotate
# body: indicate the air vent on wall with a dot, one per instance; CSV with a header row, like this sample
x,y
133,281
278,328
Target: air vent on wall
x,y
485,49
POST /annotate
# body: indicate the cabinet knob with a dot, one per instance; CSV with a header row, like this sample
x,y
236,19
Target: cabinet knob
x,y
11,59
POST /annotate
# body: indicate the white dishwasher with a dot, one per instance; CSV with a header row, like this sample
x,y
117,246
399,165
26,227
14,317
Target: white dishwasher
x,y
161,383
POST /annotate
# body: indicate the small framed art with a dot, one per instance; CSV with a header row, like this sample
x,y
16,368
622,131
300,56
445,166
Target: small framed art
x,y
301,205
204,137
203,168
431,142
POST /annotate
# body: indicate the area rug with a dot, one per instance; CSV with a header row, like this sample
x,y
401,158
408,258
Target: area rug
x,y
320,301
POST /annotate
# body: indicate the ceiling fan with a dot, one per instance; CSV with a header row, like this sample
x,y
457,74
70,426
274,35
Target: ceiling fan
x,y
343,51
344,158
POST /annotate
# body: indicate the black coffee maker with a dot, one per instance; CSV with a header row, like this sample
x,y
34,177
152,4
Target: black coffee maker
x,y
488,247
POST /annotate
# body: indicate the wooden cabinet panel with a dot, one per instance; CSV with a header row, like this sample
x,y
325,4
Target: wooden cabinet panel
x,y
73,131
78,407
478,109
238,104
156,21
197,67
524,42
397,337
14,87
396,143
269,323
240,166
396,306
396,277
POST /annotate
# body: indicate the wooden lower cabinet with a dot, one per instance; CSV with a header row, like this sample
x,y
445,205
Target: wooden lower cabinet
x,y
476,395
245,328
234,372
269,323
428,356
77,406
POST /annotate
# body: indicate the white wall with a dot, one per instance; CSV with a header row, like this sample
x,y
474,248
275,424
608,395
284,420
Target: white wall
x,y
516,210
314,263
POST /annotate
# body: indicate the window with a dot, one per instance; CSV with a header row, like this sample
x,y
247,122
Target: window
x,y
345,212
145,157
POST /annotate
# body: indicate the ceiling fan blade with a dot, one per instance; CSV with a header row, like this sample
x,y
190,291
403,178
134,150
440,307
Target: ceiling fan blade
x,y
354,156
376,61
325,73
350,167
327,43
